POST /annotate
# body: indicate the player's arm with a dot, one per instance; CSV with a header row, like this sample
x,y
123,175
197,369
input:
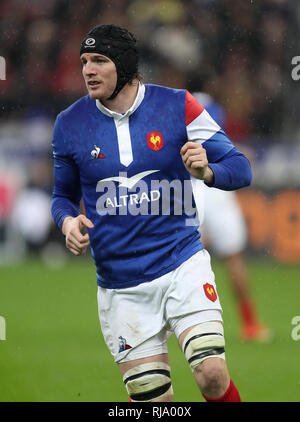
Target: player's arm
x,y
195,160
66,196
209,154
230,172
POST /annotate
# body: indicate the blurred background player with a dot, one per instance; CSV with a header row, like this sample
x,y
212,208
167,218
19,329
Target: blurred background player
x,y
224,227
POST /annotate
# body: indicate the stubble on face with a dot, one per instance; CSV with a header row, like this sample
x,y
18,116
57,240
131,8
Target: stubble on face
x,y
100,75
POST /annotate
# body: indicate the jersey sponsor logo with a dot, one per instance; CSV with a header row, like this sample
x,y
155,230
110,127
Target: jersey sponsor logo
x,y
119,196
133,195
128,182
155,140
123,344
96,154
132,199
210,292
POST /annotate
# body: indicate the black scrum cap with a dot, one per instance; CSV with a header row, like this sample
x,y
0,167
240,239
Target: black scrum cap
x,y
119,45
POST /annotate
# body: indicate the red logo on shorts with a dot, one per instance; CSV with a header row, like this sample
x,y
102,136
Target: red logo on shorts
x,y
210,292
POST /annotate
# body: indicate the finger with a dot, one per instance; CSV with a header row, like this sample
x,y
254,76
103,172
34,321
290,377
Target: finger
x,y
85,240
76,235
86,222
198,164
76,252
192,159
83,251
196,158
71,245
73,241
194,153
190,145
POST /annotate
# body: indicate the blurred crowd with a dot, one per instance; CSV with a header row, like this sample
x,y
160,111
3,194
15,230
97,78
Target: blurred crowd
x,y
236,50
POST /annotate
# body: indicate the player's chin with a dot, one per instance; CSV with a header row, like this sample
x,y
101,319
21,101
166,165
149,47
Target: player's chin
x,y
95,94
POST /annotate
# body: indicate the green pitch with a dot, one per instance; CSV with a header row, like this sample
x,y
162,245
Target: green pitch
x,y
54,350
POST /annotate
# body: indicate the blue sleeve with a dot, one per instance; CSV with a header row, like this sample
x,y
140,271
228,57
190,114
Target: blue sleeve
x,y
232,171
67,190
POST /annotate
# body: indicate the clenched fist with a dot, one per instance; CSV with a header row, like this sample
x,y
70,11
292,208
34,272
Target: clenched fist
x,y
72,228
195,161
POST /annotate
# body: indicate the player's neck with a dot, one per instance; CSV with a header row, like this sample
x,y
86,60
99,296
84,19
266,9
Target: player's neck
x,y
125,99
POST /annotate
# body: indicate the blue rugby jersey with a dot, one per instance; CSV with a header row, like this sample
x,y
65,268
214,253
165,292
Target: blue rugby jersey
x,y
136,190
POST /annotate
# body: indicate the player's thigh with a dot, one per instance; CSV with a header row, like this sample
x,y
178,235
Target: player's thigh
x,y
132,320
193,291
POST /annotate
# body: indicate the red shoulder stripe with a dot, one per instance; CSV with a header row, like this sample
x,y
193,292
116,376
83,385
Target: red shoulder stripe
x,y
192,108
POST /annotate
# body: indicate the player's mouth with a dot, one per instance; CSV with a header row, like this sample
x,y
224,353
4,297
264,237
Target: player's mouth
x,y
93,84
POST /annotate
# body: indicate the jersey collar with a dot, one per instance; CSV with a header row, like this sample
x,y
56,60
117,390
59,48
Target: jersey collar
x,y
139,98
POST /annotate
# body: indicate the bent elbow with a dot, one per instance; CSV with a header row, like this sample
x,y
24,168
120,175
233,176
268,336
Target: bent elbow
x,y
247,179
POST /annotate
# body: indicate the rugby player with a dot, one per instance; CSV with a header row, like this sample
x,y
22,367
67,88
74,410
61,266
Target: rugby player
x,y
116,149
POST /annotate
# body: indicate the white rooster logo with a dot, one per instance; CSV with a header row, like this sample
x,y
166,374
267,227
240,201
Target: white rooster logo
x,y
96,153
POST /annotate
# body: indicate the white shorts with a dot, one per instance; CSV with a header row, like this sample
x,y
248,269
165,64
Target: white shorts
x,y
137,321
223,226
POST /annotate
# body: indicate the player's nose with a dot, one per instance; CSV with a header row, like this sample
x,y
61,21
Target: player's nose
x,y
89,69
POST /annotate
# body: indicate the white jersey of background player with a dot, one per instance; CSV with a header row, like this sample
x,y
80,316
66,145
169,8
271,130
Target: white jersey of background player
x,y
224,229
223,223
